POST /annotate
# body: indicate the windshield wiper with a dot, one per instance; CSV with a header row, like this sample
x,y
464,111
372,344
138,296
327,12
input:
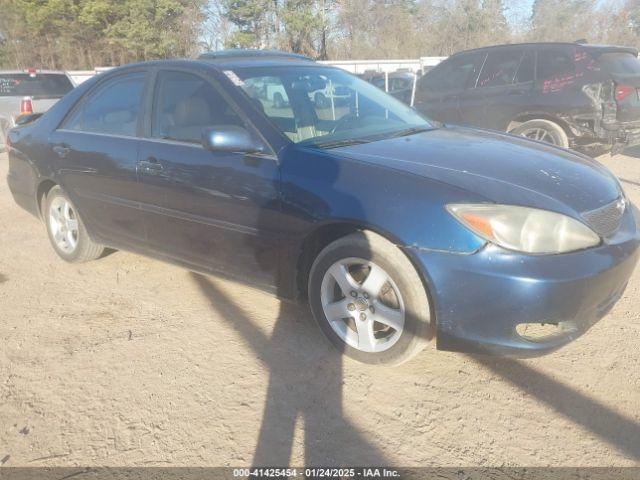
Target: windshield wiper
x,y
341,143
410,131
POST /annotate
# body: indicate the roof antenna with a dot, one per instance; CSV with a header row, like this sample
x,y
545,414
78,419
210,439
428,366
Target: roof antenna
x,y
581,40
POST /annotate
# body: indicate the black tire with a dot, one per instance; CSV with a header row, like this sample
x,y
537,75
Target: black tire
x,y
85,249
546,131
418,328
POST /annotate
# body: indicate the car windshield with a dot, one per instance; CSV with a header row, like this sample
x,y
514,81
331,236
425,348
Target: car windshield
x,y
39,85
326,107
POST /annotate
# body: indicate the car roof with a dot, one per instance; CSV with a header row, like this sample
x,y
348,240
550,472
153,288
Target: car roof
x,y
251,53
228,62
588,46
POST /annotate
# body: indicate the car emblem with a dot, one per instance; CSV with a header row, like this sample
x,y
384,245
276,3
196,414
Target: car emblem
x,y
621,205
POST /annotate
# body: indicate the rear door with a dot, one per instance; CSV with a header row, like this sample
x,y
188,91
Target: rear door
x,y
438,92
218,209
95,151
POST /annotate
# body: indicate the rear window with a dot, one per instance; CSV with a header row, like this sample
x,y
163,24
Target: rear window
x,y
42,85
620,63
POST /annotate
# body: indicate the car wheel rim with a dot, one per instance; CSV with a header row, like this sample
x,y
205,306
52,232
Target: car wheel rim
x,y
539,134
64,224
363,305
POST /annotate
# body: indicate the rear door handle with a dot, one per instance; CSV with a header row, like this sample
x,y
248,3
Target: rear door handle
x,y
151,164
61,150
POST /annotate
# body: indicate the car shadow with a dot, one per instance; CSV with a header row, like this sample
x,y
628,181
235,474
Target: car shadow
x,y
618,430
305,383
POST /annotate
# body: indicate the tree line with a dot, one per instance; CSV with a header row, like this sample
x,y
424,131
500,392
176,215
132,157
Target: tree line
x,y
79,34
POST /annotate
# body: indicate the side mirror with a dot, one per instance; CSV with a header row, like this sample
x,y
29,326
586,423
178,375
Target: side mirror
x,y
230,138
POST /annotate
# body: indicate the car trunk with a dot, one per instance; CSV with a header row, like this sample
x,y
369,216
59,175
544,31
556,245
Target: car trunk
x,y
624,71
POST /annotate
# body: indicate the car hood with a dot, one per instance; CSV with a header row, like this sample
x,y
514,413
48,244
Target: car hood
x,y
499,167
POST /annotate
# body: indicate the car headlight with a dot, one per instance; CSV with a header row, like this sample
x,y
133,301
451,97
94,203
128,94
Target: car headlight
x,y
524,229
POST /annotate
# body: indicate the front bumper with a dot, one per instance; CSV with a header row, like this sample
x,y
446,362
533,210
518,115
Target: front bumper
x,y
480,299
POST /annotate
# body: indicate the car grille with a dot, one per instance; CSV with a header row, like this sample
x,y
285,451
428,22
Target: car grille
x,y
606,220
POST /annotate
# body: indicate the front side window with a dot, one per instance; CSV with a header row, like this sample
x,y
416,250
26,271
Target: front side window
x,y
457,73
500,68
112,109
185,104
322,105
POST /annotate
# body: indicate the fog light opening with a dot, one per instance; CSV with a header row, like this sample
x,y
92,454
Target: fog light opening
x,y
542,332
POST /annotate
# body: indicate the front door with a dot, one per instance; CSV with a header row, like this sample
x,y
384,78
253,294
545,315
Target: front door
x,y
217,209
438,92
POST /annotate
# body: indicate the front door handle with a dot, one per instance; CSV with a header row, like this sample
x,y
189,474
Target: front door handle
x,y
151,165
61,150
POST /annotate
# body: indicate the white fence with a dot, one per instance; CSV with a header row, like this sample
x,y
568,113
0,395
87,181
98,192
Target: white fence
x,y
360,66
354,66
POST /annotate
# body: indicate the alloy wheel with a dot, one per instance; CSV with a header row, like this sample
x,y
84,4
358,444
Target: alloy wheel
x,y
363,305
64,224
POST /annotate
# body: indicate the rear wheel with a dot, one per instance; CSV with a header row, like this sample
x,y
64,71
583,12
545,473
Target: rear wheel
x,y
543,131
66,230
369,301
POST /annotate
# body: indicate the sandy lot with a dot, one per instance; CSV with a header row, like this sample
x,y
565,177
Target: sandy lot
x,y
127,361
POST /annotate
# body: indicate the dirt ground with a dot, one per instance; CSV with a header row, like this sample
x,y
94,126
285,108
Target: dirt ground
x,y
128,361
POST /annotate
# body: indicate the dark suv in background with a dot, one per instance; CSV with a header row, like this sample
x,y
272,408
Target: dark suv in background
x,y
569,94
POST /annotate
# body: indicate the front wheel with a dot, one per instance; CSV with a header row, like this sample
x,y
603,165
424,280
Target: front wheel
x,y
369,301
543,131
66,230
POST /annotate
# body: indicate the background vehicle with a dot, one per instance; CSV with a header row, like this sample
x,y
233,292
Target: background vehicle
x,y
400,84
377,216
571,95
26,92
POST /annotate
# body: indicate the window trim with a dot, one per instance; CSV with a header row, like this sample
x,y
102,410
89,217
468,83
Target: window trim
x,y
95,89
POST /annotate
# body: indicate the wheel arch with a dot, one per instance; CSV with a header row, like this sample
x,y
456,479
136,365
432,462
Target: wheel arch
x,y
323,235
528,116
44,187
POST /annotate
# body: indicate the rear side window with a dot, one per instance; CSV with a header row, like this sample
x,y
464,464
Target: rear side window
x,y
112,109
624,63
40,85
500,68
455,74
555,63
186,104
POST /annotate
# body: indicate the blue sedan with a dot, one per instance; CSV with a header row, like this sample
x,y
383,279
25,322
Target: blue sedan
x,y
399,231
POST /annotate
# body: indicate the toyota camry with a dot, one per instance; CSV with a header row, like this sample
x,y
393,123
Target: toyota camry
x,y
399,231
